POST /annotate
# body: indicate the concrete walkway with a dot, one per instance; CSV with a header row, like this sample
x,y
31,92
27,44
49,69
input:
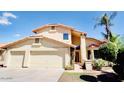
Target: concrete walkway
x,y
30,75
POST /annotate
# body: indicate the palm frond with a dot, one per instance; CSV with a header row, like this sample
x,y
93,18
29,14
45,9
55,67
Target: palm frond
x,y
113,15
104,35
96,19
114,38
96,25
110,24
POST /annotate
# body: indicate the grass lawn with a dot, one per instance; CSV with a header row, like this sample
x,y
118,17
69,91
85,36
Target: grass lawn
x,y
71,77
89,77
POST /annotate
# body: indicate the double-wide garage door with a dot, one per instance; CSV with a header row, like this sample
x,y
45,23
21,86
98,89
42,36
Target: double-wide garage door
x,y
38,59
46,59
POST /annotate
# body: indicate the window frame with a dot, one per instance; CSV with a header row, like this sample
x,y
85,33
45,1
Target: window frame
x,y
65,36
53,28
37,40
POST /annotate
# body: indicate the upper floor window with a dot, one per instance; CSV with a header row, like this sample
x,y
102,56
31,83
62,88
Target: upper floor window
x,y
37,40
65,36
53,28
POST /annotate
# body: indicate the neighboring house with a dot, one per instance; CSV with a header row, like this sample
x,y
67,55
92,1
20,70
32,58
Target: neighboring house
x,y
52,46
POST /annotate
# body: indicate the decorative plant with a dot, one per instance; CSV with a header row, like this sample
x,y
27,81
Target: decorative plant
x,y
69,67
99,64
113,50
109,51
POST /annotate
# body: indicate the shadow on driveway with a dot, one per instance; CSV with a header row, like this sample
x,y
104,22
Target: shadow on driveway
x,y
106,77
88,78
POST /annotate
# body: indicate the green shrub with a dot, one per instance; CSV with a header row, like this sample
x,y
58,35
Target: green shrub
x,y
69,67
120,57
109,51
99,64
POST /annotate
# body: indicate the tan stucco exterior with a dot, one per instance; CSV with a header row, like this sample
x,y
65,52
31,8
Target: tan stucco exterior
x,y
25,54
56,34
52,51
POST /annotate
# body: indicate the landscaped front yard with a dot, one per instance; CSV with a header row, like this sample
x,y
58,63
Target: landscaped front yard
x,y
91,76
71,77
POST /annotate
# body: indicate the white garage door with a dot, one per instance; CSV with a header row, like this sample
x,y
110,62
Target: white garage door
x,y
47,59
17,59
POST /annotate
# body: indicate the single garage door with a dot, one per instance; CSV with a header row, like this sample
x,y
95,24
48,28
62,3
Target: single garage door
x,y
46,59
17,59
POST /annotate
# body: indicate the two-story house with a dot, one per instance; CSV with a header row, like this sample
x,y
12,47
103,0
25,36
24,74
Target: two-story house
x,y
52,46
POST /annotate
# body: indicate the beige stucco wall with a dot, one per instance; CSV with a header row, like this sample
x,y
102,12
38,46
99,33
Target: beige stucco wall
x,y
27,44
57,35
47,47
2,59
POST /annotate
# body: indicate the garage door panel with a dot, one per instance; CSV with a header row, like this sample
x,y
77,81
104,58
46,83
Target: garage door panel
x,y
47,59
38,59
17,59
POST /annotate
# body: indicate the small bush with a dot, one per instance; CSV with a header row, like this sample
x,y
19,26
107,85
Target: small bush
x,y
69,67
99,64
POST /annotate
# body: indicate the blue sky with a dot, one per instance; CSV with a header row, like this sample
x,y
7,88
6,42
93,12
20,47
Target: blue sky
x,y
16,25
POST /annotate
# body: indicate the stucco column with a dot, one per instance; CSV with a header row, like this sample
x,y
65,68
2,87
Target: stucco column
x,y
7,58
67,57
92,54
83,48
26,58
73,57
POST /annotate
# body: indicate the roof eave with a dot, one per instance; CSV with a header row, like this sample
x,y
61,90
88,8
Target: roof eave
x,y
68,27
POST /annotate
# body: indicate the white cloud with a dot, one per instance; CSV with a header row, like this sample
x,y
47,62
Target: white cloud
x,y
8,14
17,35
4,19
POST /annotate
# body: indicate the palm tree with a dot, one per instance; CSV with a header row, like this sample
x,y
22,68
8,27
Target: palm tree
x,y
112,38
105,21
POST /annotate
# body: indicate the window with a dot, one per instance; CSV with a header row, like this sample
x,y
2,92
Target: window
x,y
52,27
37,40
65,36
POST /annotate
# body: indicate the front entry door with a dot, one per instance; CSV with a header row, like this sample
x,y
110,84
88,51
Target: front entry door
x,y
77,56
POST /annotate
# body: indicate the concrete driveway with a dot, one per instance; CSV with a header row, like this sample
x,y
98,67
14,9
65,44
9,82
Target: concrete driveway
x,y
30,75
